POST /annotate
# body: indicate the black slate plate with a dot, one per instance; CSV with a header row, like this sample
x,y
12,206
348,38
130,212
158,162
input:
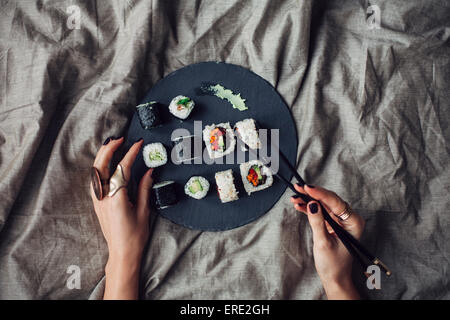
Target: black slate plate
x,y
265,105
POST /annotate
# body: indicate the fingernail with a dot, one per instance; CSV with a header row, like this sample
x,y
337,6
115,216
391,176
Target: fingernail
x,y
298,185
310,186
138,140
313,207
107,141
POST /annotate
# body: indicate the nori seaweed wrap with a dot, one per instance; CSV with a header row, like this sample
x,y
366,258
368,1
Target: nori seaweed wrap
x,y
164,194
149,114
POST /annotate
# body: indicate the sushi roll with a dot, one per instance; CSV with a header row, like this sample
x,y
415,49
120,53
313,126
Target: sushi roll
x,y
154,155
246,130
181,107
164,194
149,114
255,176
219,140
225,186
197,187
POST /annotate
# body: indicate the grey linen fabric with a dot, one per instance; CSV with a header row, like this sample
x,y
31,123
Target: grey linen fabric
x,y
371,108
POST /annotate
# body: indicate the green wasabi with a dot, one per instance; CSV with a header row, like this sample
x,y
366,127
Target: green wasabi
x,y
226,94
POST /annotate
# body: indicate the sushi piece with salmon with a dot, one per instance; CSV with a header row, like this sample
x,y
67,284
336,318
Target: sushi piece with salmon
x,y
219,139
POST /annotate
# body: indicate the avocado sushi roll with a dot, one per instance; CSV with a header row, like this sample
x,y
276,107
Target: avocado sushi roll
x,y
197,187
149,114
255,176
154,155
181,107
219,140
164,194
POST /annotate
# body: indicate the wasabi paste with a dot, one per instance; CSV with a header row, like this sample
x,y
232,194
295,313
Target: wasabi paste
x,y
226,94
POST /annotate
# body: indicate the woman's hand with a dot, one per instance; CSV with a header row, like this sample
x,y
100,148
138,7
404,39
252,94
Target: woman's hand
x,y
333,261
124,226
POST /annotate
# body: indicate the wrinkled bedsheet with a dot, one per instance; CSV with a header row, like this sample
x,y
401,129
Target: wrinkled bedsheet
x,y
371,107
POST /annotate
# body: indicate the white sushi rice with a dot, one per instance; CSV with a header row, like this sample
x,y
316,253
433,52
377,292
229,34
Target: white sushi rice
x,y
246,130
158,152
199,194
245,167
184,111
230,141
225,186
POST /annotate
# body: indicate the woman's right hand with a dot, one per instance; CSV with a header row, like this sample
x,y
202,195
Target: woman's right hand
x,y
333,261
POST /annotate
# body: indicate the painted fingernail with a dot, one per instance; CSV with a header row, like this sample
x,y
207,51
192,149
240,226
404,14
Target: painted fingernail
x,y
310,186
107,141
298,185
138,140
313,207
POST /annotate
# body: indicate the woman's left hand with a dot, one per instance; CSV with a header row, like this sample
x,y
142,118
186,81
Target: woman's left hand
x,y
125,226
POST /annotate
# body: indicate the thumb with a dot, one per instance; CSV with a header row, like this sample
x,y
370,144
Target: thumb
x,y
321,235
145,187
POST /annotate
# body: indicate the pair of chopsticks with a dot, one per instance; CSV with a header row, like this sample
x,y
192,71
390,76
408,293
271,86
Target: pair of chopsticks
x,y
354,247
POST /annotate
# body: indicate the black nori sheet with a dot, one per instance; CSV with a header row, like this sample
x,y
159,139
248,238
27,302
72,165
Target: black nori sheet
x,y
150,115
165,196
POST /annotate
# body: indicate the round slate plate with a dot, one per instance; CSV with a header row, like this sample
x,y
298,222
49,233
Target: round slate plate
x,y
264,105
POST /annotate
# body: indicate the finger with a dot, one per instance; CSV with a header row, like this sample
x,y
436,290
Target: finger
x,y
130,156
144,189
301,208
329,199
299,188
335,205
297,200
104,156
321,236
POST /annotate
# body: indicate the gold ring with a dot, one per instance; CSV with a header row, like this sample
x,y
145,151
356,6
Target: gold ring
x,y
117,181
346,213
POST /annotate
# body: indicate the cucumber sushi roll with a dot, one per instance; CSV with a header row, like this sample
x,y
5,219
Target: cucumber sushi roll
x,y
219,140
181,106
154,155
225,186
197,187
164,194
246,131
149,114
255,176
